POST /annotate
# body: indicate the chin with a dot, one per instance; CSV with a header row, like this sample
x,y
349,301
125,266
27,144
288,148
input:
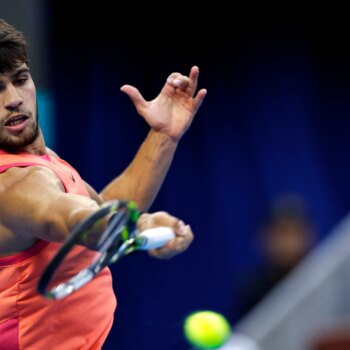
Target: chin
x,y
21,142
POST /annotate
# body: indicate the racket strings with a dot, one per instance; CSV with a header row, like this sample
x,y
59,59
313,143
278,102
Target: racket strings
x,y
116,240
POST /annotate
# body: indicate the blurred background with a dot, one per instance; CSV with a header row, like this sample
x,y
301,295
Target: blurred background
x,y
275,122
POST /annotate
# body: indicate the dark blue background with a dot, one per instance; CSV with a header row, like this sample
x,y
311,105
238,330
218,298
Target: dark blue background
x,y
276,119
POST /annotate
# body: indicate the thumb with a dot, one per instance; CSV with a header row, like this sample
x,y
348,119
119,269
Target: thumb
x,y
135,96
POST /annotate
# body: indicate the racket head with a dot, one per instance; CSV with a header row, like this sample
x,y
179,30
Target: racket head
x,y
84,254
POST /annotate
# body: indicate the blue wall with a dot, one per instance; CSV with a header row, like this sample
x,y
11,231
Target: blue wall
x,y
275,120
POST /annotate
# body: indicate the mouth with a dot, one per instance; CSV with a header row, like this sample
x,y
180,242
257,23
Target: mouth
x,y
17,123
16,119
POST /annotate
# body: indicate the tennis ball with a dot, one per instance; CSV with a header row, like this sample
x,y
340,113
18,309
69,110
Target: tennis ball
x,y
206,329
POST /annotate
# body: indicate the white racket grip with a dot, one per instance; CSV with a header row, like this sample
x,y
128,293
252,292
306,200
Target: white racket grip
x,y
156,237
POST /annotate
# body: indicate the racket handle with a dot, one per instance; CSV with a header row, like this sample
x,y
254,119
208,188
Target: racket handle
x,y
155,238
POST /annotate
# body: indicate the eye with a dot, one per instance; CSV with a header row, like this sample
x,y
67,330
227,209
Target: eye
x,y
21,80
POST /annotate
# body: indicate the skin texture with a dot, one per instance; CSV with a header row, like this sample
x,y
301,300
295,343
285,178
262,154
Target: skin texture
x,y
32,201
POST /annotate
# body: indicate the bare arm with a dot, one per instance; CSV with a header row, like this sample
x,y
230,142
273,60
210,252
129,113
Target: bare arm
x,y
34,204
143,178
169,115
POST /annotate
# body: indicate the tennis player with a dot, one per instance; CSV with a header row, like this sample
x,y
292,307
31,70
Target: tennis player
x,y
42,198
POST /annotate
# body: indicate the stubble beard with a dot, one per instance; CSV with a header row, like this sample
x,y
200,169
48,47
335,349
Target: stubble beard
x,y
16,143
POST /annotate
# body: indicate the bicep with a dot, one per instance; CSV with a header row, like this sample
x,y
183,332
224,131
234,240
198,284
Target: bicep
x,y
36,206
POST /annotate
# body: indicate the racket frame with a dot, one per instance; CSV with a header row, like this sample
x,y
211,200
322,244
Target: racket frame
x,y
121,227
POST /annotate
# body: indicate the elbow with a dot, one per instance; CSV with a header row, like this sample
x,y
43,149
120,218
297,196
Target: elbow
x,y
54,231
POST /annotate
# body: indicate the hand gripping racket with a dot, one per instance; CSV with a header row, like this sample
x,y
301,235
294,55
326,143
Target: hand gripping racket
x,y
74,265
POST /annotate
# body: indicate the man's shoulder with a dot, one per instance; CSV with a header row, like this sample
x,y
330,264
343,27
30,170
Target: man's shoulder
x,y
51,153
24,178
13,175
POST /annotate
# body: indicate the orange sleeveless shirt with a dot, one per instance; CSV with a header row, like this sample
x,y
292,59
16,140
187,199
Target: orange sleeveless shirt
x,y
81,321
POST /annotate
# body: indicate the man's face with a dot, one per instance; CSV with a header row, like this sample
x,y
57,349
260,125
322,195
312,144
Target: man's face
x,y
18,109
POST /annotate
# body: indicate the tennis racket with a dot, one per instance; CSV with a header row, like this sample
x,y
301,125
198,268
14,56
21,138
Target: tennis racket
x,y
75,265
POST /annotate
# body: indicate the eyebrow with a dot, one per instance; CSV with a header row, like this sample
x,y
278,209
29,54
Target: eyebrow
x,y
19,72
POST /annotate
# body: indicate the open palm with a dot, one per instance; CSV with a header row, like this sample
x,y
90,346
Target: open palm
x,y
173,110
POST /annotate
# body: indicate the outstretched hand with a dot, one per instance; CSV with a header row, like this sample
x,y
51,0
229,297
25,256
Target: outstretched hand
x,y
173,110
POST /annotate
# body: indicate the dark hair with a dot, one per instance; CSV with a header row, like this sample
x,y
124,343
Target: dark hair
x,y
13,47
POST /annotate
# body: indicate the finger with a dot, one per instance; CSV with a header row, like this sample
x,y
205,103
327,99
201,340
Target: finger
x,y
188,235
166,252
198,100
160,218
172,77
180,229
169,88
142,222
175,246
193,79
134,95
181,82
171,250
177,80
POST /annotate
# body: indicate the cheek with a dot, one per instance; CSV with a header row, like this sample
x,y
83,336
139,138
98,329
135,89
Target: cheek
x,y
29,99
30,91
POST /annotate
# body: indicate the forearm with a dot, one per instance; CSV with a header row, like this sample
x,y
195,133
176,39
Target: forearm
x,y
63,215
44,213
143,178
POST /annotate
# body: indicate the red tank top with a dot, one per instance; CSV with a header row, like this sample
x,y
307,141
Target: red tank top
x,y
27,320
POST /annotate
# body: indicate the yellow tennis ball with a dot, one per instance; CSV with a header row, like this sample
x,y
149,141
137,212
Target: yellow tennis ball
x,y
206,329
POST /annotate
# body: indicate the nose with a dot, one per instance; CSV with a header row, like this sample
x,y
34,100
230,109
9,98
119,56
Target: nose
x,y
12,99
